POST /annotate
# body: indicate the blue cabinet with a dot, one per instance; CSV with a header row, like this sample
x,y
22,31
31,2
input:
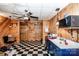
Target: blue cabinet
x,y
51,47
55,50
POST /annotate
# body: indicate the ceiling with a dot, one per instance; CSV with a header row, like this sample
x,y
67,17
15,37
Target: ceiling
x,y
44,10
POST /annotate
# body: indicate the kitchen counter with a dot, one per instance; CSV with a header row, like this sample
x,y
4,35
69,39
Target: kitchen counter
x,y
58,47
71,44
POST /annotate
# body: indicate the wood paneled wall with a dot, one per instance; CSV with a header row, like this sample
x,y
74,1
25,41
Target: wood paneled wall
x,y
45,23
71,9
9,27
31,30
4,28
15,29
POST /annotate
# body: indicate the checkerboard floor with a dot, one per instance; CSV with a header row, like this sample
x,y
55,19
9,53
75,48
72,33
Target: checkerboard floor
x,y
26,49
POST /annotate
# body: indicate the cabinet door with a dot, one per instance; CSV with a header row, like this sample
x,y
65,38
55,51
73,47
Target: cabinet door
x,y
78,36
74,34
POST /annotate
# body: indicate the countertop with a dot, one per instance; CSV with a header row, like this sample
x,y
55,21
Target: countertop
x,y
62,45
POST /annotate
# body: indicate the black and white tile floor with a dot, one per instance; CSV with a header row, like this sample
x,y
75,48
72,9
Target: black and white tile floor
x,y
26,49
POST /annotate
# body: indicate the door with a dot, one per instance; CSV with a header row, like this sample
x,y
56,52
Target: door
x,y
23,33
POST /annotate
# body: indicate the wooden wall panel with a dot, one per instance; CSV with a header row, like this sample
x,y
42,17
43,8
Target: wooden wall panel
x,y
44,24
2,19
15,29
31,30
71,9
4,29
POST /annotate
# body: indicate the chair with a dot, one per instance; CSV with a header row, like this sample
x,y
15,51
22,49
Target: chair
x,y
7,42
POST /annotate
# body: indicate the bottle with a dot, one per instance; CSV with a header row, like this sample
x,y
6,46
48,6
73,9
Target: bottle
x,y
65,42
61,37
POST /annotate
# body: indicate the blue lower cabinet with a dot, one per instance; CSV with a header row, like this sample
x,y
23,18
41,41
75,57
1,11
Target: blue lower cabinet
x,y
77,52
51,48
56,51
